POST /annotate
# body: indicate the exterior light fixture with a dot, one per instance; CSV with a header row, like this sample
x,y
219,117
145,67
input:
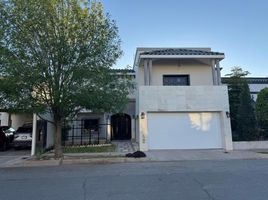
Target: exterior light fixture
x,y
227,114
142,115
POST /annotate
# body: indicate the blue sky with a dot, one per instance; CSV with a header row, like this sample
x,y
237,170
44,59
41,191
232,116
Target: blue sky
x,y
239,28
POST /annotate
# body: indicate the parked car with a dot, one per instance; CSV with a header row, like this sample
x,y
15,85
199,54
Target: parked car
x,y
23,137
6,137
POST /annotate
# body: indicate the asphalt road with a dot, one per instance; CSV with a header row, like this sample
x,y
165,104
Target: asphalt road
x,y
186,180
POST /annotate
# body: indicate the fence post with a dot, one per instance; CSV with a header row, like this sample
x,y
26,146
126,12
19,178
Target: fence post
x,y
72,135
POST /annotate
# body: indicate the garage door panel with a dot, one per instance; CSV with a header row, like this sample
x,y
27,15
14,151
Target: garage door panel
x,y
200,130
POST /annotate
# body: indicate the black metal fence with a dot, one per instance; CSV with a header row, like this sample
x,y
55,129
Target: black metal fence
x,y
75,132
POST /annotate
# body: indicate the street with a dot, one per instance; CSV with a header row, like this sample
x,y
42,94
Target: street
x,y
186,180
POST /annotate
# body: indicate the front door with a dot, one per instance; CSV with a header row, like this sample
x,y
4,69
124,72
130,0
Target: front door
x,y
121,127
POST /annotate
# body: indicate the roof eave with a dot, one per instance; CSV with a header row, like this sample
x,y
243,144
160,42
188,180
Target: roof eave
x,y
183,56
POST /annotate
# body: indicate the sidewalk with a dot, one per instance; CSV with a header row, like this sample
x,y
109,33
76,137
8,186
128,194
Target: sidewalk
x,y
179,155
152,156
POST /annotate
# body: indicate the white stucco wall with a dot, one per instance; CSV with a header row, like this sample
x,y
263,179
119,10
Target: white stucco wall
x,y
184,99
4,118
200,74
256,88
50,129
18,120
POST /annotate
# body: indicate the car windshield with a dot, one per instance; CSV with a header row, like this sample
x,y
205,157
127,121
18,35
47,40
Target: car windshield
x,y
10,130
24,130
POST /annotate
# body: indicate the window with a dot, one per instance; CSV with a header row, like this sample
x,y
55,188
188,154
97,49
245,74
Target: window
x,y
91,124
176,80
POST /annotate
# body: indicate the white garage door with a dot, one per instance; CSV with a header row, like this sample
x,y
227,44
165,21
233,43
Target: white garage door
x,y
199,130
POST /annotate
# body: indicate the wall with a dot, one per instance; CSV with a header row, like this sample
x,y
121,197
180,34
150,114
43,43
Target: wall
x,y
4,119
250,145
256,88
50,129
184,99
200,74
18,120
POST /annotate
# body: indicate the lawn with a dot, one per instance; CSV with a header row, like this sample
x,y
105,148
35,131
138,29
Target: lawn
x,y
90,149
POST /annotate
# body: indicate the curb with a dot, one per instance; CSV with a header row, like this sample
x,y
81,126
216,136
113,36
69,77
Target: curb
x,y
52,162
103,160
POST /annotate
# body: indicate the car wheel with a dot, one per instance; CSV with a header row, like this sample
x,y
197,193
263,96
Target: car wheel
x,y
17,148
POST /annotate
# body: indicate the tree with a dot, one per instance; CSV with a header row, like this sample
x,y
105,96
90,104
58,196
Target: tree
x,y
242,113
246,120
262,109
55,56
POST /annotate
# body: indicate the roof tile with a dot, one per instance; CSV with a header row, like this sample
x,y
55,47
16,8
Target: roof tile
x,y
180,51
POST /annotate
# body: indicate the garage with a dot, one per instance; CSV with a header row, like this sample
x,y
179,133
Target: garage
x,y
184,130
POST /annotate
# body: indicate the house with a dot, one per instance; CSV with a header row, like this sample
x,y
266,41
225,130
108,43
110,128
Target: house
x,y
16,120
256,84
91,127
180,101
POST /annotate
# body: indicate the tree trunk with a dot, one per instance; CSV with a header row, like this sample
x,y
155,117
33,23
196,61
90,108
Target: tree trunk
x,y
58,148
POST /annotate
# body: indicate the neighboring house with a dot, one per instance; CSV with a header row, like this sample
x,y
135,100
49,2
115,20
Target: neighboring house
x,y
45,129
256,84
180,101
14,120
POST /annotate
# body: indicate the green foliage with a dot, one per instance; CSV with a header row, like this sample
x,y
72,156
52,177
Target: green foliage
x,y
237,72
242,113
246,121
56,55
90,149
262,108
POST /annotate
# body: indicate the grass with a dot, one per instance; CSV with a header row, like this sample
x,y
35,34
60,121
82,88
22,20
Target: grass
x,y
263,152
90,149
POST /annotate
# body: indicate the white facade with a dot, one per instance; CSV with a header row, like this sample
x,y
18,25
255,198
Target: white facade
x,y
15,120
256,88
194,116
208,115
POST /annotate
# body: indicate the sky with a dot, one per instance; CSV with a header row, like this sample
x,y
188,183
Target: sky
x,y
238,28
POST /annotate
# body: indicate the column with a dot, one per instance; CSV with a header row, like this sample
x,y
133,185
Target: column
x,y
108,126
218,69
145,72
213,72
150,71
133,134
34,135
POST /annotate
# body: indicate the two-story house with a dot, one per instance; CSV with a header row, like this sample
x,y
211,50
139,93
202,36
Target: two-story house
x,y
180,101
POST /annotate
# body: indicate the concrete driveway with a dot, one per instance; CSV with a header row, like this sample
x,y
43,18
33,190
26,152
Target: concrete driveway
x,y
11,156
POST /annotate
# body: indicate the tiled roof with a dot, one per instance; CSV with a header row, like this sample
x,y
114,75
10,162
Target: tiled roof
x,y
123,70
250,80
179,51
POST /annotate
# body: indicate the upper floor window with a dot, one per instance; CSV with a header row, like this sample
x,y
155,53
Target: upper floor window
x,y
176,80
